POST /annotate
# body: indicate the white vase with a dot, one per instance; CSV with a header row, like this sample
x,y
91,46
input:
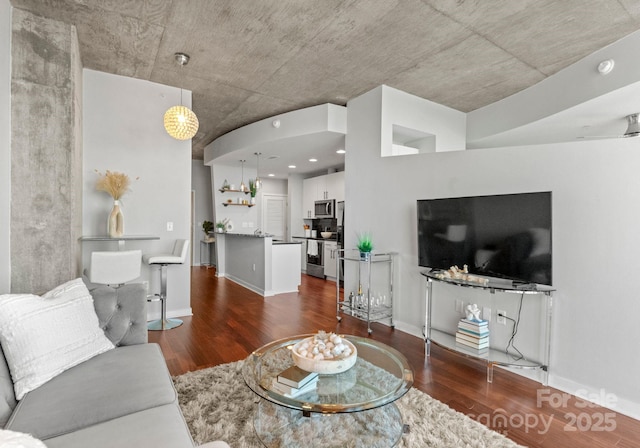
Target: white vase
x,y
115,225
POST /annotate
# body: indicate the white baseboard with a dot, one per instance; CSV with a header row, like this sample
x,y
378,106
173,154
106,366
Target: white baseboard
x,y
601,397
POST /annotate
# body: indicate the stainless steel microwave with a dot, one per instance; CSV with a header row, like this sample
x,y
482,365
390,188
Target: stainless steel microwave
x,y
325,208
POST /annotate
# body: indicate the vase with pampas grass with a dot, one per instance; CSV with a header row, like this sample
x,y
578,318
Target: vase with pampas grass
x,y
116,184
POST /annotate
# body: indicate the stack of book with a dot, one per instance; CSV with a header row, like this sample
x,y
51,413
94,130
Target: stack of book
x,y
473,334
294,381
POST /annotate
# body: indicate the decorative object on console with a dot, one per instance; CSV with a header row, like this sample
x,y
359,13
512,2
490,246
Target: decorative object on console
x,y
116,185
473,333
455,273
364,245
325,353
179,121
473,312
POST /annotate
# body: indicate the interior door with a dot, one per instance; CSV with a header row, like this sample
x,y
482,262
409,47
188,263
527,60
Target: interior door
x,y
274,215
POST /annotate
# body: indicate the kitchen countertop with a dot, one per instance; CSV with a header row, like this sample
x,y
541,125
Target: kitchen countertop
x,y
261,235
250,235
317,238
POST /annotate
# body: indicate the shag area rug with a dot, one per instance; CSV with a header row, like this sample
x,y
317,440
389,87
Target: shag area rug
x,y
217,405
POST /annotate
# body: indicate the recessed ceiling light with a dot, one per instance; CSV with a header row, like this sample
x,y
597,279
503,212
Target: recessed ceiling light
x,y
313,160
292,166
270,174
605,67
341,151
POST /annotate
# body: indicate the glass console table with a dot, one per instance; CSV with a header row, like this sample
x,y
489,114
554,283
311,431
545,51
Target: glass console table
x,y
354,408
493,356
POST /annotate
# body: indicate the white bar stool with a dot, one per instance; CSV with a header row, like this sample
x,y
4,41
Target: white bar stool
x,y
178,256
114,268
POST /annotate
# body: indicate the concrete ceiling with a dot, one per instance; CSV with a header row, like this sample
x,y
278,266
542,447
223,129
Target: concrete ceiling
x,y
255,59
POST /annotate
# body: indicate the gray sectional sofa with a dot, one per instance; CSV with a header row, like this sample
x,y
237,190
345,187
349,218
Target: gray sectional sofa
x,y
123,397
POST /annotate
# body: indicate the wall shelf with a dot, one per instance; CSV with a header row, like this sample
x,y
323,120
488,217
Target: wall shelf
x,y
241,205
226,190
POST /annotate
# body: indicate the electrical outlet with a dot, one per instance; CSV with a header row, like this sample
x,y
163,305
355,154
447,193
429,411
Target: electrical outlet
x,y
458,306
169,226
486,313
254,267
502,317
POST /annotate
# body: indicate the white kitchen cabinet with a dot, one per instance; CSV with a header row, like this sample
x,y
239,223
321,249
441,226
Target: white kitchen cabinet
x,y
328,186
330,258
309,197
334,186
303,252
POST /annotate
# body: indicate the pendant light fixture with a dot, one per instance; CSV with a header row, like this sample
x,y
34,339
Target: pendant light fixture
x,y
258,181
243,187
180,121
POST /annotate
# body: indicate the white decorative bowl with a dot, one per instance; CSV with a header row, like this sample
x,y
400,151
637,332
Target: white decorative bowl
x,y
325,366
326,234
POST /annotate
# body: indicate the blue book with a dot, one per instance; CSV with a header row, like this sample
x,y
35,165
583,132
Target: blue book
x,y
478,334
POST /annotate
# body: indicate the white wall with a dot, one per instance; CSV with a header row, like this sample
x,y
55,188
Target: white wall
x,y
595,245
5,146
201,187
123,131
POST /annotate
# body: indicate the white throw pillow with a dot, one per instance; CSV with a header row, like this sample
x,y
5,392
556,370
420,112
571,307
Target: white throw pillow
x,y
12,439
43,336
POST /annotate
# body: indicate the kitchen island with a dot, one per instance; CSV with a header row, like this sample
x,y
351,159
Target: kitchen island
x,y
259,263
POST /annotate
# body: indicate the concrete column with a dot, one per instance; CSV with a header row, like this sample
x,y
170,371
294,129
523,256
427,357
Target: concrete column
x,y
46,153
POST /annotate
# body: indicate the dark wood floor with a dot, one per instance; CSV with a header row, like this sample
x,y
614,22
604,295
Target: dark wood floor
x,y
229,322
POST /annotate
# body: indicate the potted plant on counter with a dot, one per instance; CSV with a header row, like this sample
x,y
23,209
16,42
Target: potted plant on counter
x,y
221,226
207,228
365,246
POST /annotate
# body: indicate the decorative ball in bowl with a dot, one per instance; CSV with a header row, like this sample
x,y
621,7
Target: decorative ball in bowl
x,y
326,234
325,353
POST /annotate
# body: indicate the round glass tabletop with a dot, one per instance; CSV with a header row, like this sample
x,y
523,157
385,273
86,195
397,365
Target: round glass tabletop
x,y
380,376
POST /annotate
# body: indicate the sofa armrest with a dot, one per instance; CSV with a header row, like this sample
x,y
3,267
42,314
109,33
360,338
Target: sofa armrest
x,y
122,312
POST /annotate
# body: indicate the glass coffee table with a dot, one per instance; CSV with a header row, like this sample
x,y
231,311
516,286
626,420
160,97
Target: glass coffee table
x,y
351,409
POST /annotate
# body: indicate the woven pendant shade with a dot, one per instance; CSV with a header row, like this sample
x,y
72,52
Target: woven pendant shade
x,y
181,123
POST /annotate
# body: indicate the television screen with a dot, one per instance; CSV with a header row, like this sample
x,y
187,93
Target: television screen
x,y
505,236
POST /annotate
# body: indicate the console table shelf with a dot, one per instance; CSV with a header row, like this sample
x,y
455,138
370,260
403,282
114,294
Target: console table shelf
x,y
493,356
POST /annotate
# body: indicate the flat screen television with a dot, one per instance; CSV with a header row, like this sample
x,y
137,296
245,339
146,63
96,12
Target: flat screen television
x,y
503,236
